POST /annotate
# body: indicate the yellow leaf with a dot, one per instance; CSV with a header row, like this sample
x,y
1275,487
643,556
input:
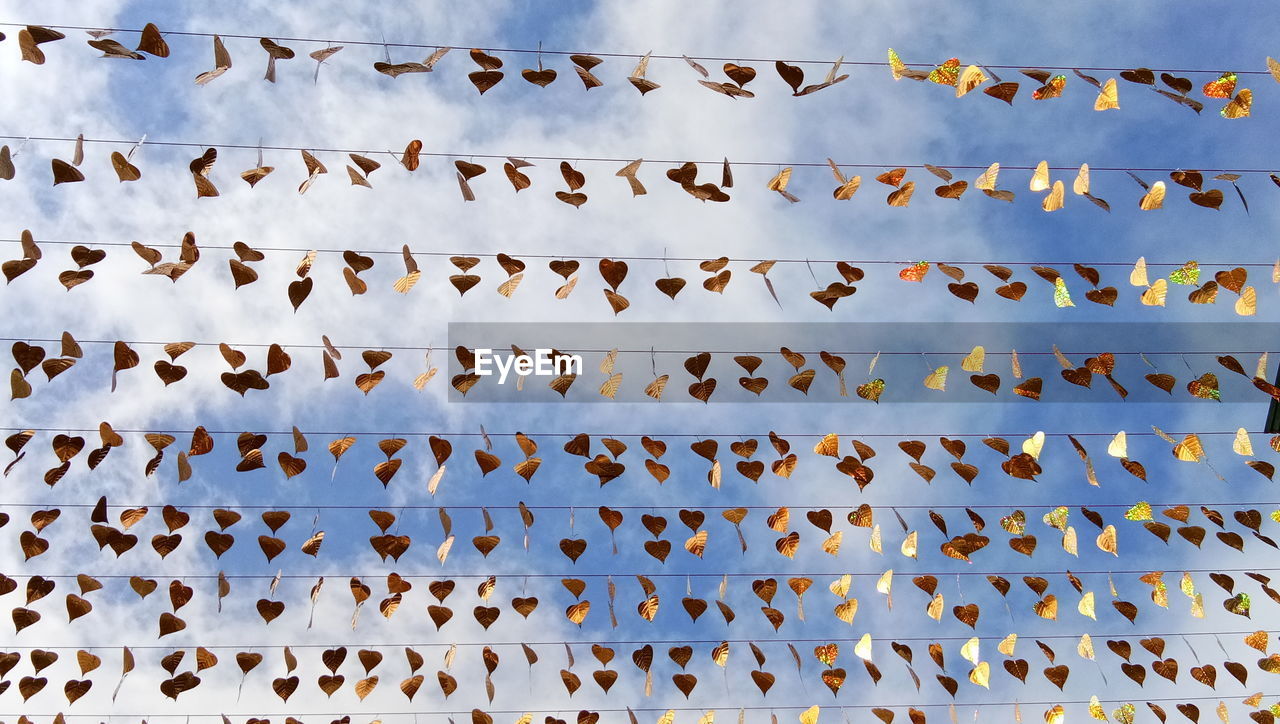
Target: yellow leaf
x,y
1040,178
934,608
987,181
1033,445
1069,543
1054,201
1138,277
1119,446
1047,608
1081,185
1189,450
971,78
1007,645
1107,540
443,551
840,586
1155,295
610,359
508,287
697,544
1085,647
885,583
1108,97
829,445
910,545
937,379
1154,198
1095,709
434,483
981,675
975,360
1247,304
566,289
862,649
610,387
780,180
1197,606
1087,606
1242,445
656,387
846,610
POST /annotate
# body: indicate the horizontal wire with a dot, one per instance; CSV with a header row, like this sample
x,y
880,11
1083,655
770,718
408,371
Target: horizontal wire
x,y
237,506
634,434
800,164
797,707
585,641
486,254
852,353
542,51
575,574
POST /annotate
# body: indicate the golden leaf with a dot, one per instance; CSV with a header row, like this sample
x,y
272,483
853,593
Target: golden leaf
x,y
1006,645
840,587
655,388
975,360
934,609
937,379
1154,198
577,613
442,552
981,675
1108,97
1047,607
1040,177
910,545
1069,542
1247,304
1086,606
697,544
1155,295
1190,449
829,445
1242,444
1053,201
1034,444
611,385
971,77
1081,184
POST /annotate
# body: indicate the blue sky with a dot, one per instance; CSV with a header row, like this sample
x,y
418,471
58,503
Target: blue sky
x,y
867,119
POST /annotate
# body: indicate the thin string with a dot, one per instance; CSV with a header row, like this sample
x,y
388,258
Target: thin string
x,y
702,709
504,156
402,433
1007,506
601,350
637,642
576,574
486,254
606,54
